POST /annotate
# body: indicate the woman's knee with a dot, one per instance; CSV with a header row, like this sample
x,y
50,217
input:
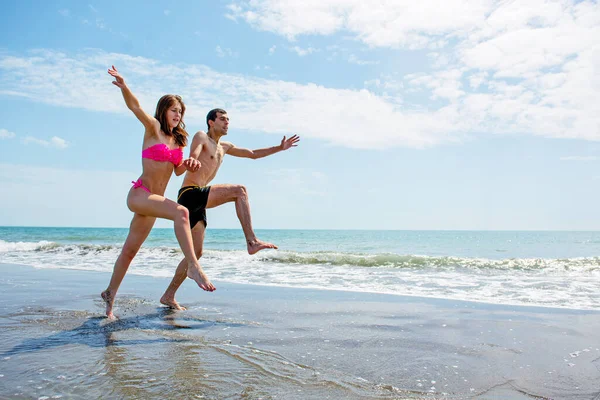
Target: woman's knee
x,y
128,253
183,214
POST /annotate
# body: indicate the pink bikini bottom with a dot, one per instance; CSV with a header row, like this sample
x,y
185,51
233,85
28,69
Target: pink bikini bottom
x,y
139,184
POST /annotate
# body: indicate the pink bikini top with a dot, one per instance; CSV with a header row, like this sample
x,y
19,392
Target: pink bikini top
x,y
161,152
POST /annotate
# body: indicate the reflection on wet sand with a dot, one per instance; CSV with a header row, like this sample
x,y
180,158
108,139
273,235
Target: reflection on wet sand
x,y
258,342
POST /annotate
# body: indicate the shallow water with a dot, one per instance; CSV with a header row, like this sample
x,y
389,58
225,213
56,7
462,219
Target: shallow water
x,y
253,342
154,356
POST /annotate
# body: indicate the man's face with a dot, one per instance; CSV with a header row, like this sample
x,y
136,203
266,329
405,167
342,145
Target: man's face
x,y
221,124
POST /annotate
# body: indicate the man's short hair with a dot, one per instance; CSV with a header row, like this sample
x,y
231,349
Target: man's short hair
x,y
212,115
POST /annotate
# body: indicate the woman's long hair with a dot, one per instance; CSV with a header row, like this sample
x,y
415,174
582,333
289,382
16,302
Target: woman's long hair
x,y
179,132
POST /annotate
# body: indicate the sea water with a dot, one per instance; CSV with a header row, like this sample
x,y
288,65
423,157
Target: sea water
x,y
552,269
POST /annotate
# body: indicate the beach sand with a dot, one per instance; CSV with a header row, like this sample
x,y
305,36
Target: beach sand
x,y
259,342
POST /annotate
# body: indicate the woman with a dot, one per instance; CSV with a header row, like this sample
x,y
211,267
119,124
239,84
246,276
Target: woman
x,y
164,139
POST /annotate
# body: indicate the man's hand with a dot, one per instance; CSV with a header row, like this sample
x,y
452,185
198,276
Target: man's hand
x,y
191,164
291,142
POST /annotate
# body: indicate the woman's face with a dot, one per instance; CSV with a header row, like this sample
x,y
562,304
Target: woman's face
x,y
174,115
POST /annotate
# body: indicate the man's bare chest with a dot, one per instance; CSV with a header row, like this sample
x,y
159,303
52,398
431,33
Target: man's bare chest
x,y
212,154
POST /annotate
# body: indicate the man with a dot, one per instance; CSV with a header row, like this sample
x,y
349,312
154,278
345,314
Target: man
x,y
197,196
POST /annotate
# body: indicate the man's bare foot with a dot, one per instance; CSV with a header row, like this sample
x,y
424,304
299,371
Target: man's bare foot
x,y
196,273
109,299
171,303
254,246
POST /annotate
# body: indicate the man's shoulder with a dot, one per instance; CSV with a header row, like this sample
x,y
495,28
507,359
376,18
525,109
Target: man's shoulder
x,y
201,135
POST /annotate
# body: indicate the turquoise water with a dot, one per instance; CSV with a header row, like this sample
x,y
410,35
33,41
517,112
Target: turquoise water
x,y
489,244
555,269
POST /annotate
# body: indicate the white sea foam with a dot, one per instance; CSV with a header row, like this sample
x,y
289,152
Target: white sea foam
x,y
570,283
24,246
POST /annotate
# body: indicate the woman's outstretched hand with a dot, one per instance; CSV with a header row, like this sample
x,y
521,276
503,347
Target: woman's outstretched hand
x,y
191,164
119,81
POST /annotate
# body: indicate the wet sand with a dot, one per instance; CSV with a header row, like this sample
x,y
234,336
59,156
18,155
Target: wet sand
x,y
258,342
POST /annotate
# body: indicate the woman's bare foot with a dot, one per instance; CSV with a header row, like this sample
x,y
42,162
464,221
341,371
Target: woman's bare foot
x,y
171,303
195,272
254,246
109,299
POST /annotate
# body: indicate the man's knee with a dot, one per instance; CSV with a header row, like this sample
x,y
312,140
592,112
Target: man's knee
x,y
240,191
199,252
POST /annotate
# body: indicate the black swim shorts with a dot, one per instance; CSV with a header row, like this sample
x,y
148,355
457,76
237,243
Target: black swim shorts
x,y
194,198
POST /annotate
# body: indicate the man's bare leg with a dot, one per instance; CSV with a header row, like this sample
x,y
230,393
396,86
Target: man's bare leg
x,y
221,194
168,298
218,195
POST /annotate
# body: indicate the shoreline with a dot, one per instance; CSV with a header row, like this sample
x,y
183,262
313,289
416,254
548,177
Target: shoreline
x,y
402,297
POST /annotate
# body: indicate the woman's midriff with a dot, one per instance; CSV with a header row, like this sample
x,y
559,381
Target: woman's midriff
x,y
155,177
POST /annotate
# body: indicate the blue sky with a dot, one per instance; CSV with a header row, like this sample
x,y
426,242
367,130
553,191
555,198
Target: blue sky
x,y
423,115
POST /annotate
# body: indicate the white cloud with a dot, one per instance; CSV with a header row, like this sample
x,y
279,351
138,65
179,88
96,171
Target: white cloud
x,y
5,134
477,79
390,23
94,10
55,141
64,12
518,67
339,116
31,139
579,158
224,52
272,49
355,60
100,23
167,12
59,142
303,52
389,87
234,10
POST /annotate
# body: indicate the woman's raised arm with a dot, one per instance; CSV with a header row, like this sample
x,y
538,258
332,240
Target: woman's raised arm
x,y
131,101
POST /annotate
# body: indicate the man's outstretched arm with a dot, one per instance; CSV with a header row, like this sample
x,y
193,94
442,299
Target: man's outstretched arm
x,y
260,153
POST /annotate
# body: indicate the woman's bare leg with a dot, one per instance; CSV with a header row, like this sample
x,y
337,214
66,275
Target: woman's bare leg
x,y
161,207
139,230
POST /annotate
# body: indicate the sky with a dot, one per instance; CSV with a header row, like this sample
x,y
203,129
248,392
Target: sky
x,y
454,115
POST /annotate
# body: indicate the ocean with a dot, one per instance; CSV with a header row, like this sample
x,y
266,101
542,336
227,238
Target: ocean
x,y
547,269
